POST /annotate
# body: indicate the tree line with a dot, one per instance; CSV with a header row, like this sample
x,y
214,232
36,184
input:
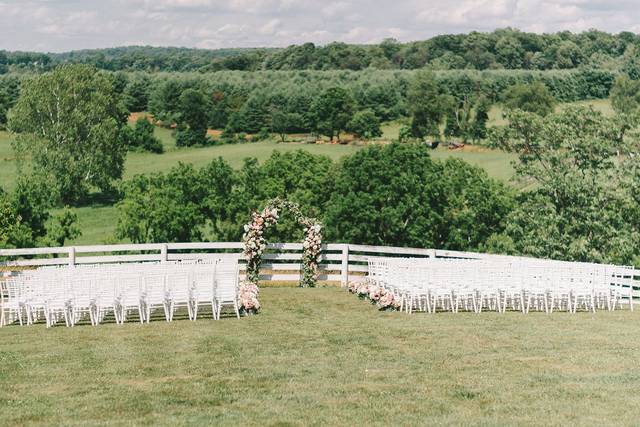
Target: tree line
x,y
501,49
394,195
285,101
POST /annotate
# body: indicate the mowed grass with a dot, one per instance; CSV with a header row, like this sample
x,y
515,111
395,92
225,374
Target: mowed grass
x,y
140,163
8,168
323,357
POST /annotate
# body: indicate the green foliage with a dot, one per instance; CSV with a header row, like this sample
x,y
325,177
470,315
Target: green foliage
x,y
475,208
625,95
246,101
479,126
631,61
164,99
365,124
64,228
405,134
193,110
162,208
460,121
263,135
31,201
583,206
187,137
136,93
332,111
283,122
428,105
186,203
141,137
70,122
503,48
299,177
24,215
534,98
12,232
9,92
396,195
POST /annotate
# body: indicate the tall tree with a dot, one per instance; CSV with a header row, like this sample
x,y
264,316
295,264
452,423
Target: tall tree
x,y
580,207
365,124
625,100
193,118
333,110
625,95
534,98
70,121
428,105
397,195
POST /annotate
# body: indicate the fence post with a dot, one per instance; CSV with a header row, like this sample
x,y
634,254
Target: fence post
x,y
72,256
164,257
345,265
432,253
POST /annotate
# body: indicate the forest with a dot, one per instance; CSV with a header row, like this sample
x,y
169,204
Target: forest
x,y
501,49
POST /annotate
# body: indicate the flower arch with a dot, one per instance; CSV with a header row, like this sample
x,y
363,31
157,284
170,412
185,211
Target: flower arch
x,y
255,245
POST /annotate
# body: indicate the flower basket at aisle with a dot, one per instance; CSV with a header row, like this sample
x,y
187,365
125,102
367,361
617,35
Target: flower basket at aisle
x,y
384,299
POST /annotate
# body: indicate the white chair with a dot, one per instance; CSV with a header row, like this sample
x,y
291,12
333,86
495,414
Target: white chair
x,y
13,303
202,291
226,287
129,297
178,292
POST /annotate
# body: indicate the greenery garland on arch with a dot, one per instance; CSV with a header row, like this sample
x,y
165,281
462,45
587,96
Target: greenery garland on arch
x,y
255,243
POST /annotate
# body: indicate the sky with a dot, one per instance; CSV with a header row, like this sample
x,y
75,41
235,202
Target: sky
x,y
62,25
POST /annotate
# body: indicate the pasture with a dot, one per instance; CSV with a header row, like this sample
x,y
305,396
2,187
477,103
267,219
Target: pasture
x,y
321,356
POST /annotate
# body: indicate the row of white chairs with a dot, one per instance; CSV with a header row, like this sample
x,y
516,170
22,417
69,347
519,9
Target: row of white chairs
x,y
95,291
503,283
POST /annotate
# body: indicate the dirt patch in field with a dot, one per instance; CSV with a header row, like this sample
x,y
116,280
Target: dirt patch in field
x,y
133,117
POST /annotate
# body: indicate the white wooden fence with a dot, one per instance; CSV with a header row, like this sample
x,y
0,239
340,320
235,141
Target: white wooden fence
x,y
281,262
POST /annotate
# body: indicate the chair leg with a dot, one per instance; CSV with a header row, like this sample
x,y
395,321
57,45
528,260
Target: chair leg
x,y
195,310
190,309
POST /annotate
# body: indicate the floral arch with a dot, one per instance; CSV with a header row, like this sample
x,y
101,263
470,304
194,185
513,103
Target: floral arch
x,y
255,245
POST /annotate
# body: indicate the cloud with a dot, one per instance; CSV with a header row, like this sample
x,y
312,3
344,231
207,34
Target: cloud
x,y
270,27
71,24
335,8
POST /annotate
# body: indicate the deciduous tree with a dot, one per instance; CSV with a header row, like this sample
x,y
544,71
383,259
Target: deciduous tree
x,y
70,121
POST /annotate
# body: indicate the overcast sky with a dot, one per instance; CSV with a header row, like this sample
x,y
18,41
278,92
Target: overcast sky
x,y
60,25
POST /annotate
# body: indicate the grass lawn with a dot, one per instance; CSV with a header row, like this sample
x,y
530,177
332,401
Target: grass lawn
x,y
7,162
138,163
323,357
97,223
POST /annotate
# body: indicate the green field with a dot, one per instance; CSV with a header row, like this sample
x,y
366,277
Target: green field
x,y
323,357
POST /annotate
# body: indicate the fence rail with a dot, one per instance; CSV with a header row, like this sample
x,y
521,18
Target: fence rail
x,y
281,261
